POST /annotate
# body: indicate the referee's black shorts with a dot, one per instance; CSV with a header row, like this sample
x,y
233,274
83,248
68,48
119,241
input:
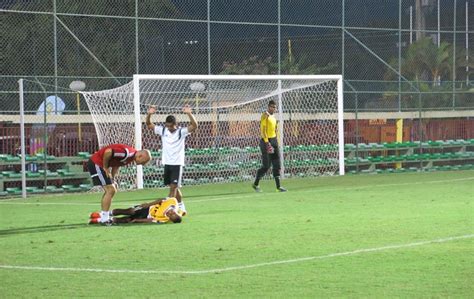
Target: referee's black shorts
x,y
99,178
173,174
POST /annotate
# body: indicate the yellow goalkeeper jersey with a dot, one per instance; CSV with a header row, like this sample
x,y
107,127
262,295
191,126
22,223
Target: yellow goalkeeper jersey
x,y
268,126
158,212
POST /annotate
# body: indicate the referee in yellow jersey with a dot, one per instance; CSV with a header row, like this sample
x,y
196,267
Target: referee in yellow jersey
x,y
269,147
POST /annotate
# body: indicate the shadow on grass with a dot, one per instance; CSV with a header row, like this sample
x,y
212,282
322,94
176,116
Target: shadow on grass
x,y
57,227
40,229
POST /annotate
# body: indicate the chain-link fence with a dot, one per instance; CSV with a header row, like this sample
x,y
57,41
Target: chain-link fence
x,y
400,59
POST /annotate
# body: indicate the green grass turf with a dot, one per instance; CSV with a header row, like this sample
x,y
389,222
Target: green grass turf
x,y
231,226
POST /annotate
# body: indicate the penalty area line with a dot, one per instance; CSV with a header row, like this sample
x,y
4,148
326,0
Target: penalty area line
x,y
243,267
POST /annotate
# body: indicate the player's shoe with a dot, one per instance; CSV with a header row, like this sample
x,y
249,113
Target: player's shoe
x,y
256,188
281,189
182,209
109,222
94,215
94,221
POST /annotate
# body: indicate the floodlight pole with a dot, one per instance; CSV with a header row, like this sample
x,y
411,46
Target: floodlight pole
x,y
467,44
439,28
78,86
79,129
22,141
454,54
411,25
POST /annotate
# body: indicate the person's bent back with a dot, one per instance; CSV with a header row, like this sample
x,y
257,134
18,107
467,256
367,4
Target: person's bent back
x,y
104,165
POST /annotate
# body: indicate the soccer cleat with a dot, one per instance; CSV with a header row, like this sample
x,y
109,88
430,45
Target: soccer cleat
x,y
94,215
281,189
256,188
182,209
109,222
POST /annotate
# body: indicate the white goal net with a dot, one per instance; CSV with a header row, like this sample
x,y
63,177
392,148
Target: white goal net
x,y
228,108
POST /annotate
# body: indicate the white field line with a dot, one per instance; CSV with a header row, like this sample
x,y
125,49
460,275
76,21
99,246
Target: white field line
x,y
343,189
243,267
252,195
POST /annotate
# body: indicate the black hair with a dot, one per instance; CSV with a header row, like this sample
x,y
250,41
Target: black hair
x,y
177,219
170,119
272,102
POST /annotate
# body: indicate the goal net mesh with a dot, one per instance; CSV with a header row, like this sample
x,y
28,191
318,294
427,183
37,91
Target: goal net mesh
x,y
225,147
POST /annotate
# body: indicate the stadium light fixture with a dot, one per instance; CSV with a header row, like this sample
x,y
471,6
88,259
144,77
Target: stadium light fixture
x,y
197,87
78,86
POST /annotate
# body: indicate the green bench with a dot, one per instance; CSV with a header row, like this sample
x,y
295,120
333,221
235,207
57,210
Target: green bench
x,y
71,188
32,174
84,155
34,190
65,172
13,190
7,173
41,157
48,173
53,189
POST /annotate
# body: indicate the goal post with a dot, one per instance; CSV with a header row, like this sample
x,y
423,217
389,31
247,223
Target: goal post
x,y
138,128
228,108
340,124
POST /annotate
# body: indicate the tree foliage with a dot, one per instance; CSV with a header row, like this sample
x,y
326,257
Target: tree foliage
x,y
289,65
424,61
30,38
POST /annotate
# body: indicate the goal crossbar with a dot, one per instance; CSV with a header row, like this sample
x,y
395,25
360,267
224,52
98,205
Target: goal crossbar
x,y
239,99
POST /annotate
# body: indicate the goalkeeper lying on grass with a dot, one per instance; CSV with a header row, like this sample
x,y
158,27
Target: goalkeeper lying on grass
x,y
159,211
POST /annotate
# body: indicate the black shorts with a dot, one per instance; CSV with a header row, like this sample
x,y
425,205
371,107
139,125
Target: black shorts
x,y
99,178
141,213
173,174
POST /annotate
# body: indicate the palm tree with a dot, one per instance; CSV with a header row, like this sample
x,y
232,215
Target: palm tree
x,y
424,61
289,65
436,60
465,67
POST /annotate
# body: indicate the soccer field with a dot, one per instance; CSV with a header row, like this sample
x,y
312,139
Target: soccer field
x,y
394,235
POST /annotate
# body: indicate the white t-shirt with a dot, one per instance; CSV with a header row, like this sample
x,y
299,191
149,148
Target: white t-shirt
x,y
172,145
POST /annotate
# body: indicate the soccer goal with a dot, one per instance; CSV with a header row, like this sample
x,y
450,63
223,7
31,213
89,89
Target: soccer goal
x,y
228,109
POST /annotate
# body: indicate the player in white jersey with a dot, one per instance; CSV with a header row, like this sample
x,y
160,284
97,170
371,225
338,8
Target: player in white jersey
x,y
173,142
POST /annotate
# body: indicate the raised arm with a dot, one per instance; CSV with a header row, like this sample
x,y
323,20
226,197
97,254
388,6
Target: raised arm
x,y
151,111
194,125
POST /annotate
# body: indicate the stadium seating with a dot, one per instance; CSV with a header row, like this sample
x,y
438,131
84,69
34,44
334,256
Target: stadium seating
x,y
370,158
394,157
431,155
71,188
63,170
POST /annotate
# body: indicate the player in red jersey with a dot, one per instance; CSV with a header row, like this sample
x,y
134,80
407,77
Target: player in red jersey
x,y
104,165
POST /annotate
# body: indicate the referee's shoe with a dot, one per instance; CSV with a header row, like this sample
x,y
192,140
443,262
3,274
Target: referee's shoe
x,y
281,189
256,188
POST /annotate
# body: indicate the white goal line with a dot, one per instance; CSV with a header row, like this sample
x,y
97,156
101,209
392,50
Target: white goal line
x,y
13,201
243,267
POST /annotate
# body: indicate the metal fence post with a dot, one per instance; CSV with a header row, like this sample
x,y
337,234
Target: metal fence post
x,y
22,142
